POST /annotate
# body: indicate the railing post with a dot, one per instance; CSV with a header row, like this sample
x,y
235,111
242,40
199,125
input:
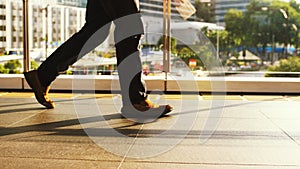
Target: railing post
x,y
166,38
25,37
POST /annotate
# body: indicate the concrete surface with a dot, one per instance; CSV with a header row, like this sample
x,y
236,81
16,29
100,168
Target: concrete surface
x,y
250,132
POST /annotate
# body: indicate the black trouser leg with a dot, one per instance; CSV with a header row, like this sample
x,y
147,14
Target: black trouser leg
x,y
128,32
130,71
75,47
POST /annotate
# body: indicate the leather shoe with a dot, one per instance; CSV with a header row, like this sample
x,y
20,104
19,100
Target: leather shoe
x,y
40,92
145,111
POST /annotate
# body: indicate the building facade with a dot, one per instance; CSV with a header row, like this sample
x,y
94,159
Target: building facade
x,y
222,6
50,23
75,3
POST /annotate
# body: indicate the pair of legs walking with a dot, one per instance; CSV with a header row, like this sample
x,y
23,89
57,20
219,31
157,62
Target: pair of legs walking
x,y
100,14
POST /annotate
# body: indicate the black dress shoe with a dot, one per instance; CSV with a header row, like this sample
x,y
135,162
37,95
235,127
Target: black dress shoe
x,y
40,92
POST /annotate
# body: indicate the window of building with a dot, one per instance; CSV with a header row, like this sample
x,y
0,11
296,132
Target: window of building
x,y
2,28
2,17
2,38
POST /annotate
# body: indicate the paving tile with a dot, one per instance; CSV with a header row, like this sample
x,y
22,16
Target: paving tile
x,y
290,127
242,109
37,163
14,110
281,109
225,108
239,155
67,149
238,132
12,118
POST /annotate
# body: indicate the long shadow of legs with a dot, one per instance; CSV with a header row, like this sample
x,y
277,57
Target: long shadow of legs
x,y
55,126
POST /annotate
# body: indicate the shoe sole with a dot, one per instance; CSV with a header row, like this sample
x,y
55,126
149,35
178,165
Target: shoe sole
x,y
146,116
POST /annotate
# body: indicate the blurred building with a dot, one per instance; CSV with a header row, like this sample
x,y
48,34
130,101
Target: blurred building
x,y
76,3
48,19
222,6
52,22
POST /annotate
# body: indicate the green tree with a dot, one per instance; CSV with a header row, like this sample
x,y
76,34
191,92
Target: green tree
x,y
219,37
160,43
234,23
3,69
281,24
13,66
295,5
263,24
34,65
253,18
291,64
185,52
234,20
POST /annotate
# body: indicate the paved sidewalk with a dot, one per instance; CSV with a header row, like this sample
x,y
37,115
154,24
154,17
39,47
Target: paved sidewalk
x,y
86,131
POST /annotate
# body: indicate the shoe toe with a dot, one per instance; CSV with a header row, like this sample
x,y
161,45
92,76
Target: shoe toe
x,y
49,104
169,108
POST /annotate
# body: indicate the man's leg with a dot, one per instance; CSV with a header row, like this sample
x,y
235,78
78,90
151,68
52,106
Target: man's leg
x,y
130,71
128,31
68,53
72,49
